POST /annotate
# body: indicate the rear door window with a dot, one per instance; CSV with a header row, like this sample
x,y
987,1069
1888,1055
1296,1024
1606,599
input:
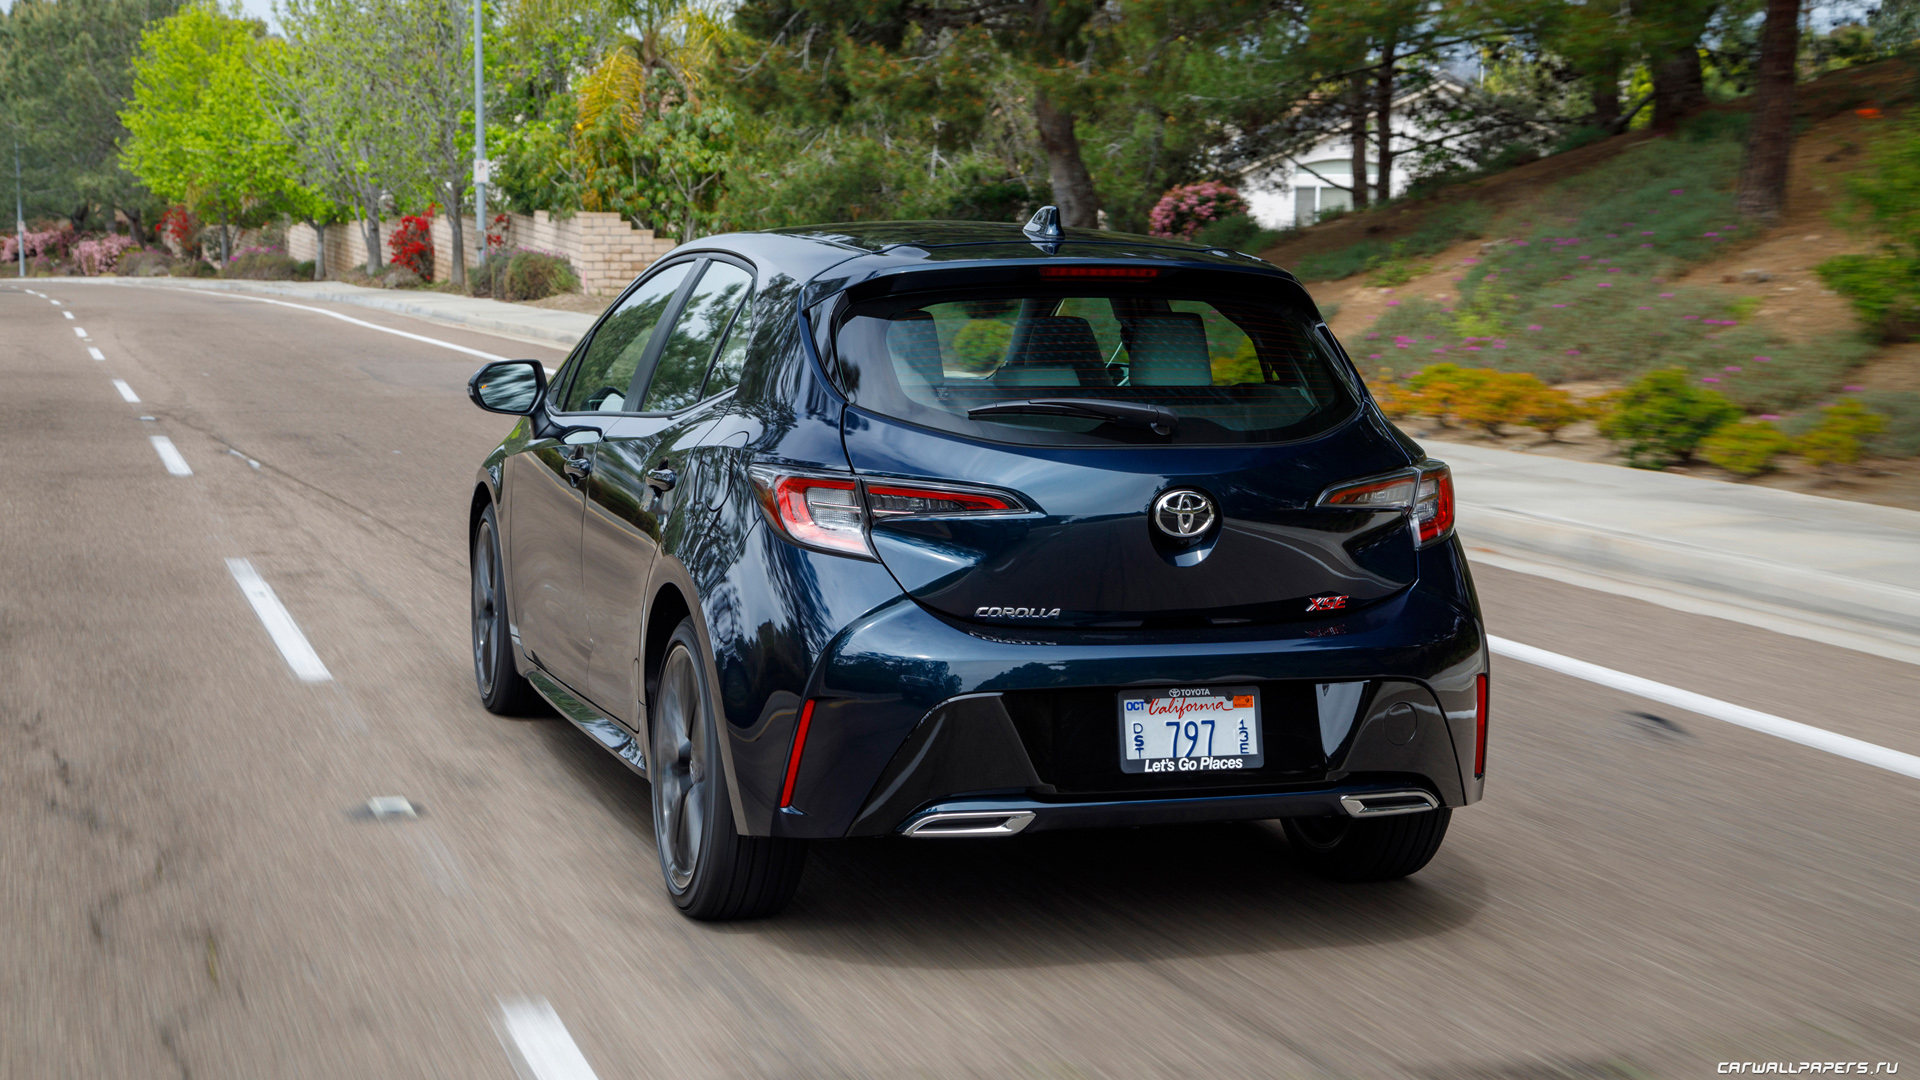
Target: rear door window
x,y
601,379
681,372
1229,366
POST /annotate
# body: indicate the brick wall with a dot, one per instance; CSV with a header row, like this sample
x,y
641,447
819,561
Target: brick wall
x,y
604,248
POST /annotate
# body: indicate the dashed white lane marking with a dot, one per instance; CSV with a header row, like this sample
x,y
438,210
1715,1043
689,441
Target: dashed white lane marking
x,y
371,326
286,635
96,353
126,392
68,314
537,1042
170,456
80,331
56,303
1791,730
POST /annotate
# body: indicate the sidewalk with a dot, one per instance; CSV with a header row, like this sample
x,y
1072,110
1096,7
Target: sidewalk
x,y
557,328
1776,555
1840,563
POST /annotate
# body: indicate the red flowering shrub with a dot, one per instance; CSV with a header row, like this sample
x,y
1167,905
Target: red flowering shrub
x,y
411,245
178,226
1184,209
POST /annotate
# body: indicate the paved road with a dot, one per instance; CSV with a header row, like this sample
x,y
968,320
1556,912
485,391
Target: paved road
x,y
185,890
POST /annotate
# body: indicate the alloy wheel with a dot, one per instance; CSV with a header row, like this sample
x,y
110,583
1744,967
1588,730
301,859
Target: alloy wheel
x,y
485,600
680,768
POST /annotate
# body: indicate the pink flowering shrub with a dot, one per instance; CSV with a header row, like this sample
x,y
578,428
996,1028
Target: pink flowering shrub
x,y
97,256
50,243
1184,209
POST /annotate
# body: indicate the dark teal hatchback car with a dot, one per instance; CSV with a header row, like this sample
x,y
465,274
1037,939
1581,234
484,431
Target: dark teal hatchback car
x,y
938,530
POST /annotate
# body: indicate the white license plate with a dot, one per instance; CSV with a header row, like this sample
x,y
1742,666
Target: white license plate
x,y
1197,729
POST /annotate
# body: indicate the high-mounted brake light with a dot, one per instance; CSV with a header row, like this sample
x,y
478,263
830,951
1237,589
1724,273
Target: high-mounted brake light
x,y
831,513
1427,492
1480,727
1099,272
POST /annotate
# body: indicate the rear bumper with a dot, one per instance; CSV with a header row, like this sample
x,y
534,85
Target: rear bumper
x,y
913,712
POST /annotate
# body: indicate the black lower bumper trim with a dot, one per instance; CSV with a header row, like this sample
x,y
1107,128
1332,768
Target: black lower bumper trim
x,y
1122,813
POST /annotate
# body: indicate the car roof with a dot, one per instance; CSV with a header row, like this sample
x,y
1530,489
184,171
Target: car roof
x,y
832,257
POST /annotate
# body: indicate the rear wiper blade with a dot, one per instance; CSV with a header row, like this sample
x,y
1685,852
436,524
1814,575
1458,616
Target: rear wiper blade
x,y
1155,418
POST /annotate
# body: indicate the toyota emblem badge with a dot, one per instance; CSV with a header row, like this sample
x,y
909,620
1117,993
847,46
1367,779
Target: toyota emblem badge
x,y
1183,513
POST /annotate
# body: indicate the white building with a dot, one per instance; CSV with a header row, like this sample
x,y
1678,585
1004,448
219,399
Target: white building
x,y
1297,190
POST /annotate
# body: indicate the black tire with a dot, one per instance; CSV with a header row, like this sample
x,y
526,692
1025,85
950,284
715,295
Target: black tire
x,y
1360,849
503,690
710,870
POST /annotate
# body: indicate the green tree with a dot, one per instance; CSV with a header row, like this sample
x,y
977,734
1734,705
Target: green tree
x,y
66,68
199,131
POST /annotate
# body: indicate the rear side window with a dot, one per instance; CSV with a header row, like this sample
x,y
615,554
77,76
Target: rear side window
x,y
602,377
1073,365
689,352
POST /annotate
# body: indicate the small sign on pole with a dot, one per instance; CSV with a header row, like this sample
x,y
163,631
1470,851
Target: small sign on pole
x,y
482,171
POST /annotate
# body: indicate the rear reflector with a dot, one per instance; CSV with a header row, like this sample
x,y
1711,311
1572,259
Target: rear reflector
x,y
1099,272
1427,492
1480,727
1381,492
793,757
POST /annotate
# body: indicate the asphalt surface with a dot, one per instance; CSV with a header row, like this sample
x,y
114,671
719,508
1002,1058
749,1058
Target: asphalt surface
x,y
186,889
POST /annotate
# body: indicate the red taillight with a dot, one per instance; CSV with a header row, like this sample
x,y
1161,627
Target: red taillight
x,y
1099,272
891,499
817,511
831,513
1433,510
1480,727
793,756
1394,492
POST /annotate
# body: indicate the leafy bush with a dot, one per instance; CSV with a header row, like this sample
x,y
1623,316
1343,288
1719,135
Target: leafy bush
x,y
1840,437
1237,232
1901,409
411,245
523,274
1884,290
981,344
303,270
1482,397
145,262
263,264
1662,418
97,255
193,268
1745,447
1185,209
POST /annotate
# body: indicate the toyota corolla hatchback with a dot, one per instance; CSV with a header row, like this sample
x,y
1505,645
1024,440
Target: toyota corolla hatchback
x,y
939,530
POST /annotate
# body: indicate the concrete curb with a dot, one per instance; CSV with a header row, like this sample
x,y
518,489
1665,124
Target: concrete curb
x,y
557,328
1774,584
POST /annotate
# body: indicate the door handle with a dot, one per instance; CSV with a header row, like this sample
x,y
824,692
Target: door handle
x,y
576,468
663,478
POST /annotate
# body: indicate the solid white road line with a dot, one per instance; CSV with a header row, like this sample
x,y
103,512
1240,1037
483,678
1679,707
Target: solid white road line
x,y
280,626
537,1042
372,326
126,392
79,331
1791,730
96,353
170,456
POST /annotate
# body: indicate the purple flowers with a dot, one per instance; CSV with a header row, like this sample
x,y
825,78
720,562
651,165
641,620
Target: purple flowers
x,y
1666,296
1559,305
1761,359
1678,191
1709,379
1537,326
1769,416
1852,389
1733,367
1182,210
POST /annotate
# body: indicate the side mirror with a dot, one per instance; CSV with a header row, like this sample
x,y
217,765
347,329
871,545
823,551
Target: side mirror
x,y
513,387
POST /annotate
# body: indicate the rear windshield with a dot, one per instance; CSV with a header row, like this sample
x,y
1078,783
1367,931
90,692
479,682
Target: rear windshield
x,y
1219,368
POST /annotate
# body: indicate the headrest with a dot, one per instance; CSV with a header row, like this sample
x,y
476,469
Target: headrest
x,y
914,342
1169,350
1052,350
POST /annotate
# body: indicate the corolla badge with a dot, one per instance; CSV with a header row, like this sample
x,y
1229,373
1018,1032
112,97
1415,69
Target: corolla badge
x,y
1016,613
1183,513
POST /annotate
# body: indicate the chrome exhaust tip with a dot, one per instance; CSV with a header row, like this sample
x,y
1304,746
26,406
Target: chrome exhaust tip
x,y
970,823
1383,803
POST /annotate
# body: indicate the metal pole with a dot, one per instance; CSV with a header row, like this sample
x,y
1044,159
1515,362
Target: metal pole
x,y
480,171
19,212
